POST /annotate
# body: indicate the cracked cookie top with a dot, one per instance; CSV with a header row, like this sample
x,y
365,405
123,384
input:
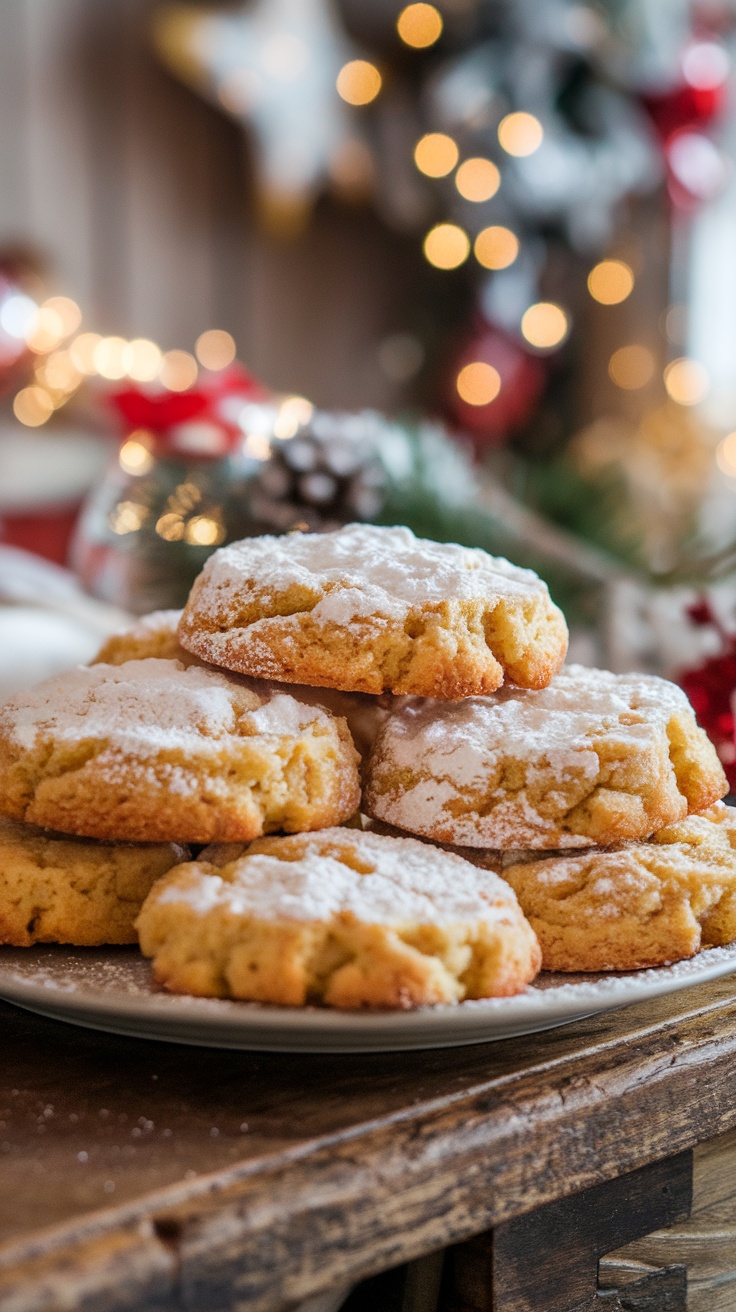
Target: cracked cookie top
x,y
371,609
595,758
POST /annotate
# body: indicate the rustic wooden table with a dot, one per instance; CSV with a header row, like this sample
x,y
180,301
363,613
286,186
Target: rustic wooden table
x,y
137,1175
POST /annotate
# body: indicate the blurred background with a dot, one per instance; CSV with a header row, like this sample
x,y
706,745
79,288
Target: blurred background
x,y
279,265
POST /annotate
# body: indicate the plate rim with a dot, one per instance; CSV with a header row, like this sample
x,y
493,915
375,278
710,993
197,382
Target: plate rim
x,y
252,1025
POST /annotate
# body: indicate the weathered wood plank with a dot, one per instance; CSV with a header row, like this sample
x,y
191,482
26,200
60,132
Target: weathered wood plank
x,y
350,1164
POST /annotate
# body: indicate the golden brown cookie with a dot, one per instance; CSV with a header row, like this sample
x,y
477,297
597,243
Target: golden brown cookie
x,y
596,758
370,609
341,917
646,904
150,635
155,751
55,889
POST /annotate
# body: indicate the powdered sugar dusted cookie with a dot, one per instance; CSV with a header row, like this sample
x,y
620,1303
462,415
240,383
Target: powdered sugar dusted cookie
x,y
371,609
341,917
646,904
594,758
153,750
150,635
155,635
55,889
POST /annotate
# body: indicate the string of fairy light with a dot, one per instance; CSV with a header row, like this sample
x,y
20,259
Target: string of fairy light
x,y
66,356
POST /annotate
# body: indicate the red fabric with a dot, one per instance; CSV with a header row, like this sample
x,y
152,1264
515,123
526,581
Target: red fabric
x,y
46,534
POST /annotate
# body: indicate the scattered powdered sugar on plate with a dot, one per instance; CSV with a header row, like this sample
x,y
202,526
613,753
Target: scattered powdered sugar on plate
x,y
112,989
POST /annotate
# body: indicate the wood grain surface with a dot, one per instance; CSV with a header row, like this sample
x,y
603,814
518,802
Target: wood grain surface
x,y
152,1175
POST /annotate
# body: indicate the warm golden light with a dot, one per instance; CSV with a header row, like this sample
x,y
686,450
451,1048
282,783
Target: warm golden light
x,y
110,357
436,154
358,82
477,179
215,349
170,527
82,352
135,456
726,455
127,517
68,311
59,373
178,371
544,325
293,413
686,381
143,360
202,531
478,383
610,282
47,331
631,367
496,247
419,25
520,133
33,406
257,446
446,246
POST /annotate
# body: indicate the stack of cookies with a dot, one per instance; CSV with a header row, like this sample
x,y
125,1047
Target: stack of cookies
x,y
313,676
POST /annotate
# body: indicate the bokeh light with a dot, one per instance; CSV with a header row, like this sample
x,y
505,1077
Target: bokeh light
x,y
292,414
436,154
610,282
82,352
544,325
46,331
178,371
686,381
135,456
520,133
18,315
142,360
478,383
68,311
446,246
358,82
726,455
477,179
127,517
631,367
203,531
496,247
33,406
215,349
170,527
419,25
59,372
110,357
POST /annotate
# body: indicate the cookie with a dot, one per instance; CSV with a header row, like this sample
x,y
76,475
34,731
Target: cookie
x,y
155,751
150,635
55,889
343,918
374,610
155,635
596,758
646,904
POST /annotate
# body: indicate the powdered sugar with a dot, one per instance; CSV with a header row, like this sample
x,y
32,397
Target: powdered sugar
x,y
447,750
146,706
366,570
405,882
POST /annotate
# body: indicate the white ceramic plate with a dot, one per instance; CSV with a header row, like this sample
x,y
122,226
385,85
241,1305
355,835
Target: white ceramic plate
x,y
111,989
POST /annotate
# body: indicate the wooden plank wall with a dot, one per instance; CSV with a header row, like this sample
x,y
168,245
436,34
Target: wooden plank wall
x,y
137,192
